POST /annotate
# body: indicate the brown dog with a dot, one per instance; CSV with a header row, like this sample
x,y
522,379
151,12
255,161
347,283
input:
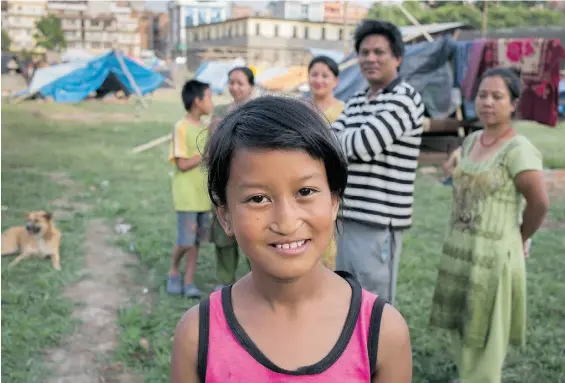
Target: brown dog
x,y
39,237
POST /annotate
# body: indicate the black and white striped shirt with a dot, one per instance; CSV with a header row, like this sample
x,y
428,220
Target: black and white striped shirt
x,y
381,138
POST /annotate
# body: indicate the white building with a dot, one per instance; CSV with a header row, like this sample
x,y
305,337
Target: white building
x,y
98,26
297,10
19,20
189,13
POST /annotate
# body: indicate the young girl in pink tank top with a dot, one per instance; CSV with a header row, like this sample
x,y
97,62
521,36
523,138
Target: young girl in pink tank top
x,y
276,177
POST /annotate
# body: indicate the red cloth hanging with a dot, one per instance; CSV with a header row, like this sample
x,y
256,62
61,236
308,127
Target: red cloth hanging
x,y
538,61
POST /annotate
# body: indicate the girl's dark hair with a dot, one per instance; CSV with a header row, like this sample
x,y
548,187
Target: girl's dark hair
x,y
510,77
272,123
330,63
246,71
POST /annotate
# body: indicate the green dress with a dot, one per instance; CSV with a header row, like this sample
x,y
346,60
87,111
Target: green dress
x,y
480,292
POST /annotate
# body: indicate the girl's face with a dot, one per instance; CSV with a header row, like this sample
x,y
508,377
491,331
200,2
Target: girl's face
x,y
321,80
239,86
280,209
493,102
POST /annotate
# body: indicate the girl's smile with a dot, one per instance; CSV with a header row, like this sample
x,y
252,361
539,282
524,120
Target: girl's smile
x,y
282,211
291,248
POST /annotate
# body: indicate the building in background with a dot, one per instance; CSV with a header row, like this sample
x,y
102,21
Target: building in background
x,y
260,39
335,11
154,30
297,10
240,11
19,18
90,25
191,13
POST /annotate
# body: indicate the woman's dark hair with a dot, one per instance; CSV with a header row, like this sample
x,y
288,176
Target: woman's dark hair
x,y
510,77
246,71
330,63
382,28
272,123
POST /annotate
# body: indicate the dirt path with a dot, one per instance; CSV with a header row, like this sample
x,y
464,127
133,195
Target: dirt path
x,y
103,287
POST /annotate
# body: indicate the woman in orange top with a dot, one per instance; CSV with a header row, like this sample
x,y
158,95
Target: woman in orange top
x,y
323,76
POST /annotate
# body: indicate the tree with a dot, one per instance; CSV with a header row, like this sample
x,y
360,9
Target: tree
x,y
501,14
6,40
49,33
392,13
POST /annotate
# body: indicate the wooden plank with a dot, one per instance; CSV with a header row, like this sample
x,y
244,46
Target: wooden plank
x,y
151,144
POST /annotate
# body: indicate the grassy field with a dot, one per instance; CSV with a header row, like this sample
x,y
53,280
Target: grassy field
x,y
37,140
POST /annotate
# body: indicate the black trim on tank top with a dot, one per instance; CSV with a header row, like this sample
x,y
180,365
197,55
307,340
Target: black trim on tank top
x,y
374,331
317,368
203,334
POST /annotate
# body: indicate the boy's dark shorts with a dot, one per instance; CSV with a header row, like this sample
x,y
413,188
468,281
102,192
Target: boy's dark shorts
x,y
193,228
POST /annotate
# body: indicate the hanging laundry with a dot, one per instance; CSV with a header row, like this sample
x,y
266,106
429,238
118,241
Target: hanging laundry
x,y
461,61
540,92
537,60
466,57
470,81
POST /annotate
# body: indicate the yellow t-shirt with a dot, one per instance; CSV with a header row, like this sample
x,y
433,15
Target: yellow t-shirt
x,y
190,192
332,113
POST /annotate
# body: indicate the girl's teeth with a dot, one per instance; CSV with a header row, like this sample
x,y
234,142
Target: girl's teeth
x,y
292,245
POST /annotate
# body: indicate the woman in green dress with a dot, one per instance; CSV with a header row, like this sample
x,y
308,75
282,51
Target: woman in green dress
x,y
480,293
241,85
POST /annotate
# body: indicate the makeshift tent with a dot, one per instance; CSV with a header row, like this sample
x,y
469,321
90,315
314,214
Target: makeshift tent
x,y
292,79
73,82
270,73
215,73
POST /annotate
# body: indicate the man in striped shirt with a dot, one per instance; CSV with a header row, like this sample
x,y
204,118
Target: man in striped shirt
x,y
380,131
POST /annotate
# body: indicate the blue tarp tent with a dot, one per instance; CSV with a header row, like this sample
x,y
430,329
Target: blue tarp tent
x,y
215,73
73,82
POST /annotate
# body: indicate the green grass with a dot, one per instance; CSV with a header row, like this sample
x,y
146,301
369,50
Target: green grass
x,y
548,140
138,189
34,314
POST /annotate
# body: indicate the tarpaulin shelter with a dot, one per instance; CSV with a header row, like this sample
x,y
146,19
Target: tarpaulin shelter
x,y
288,81
74,81
215,73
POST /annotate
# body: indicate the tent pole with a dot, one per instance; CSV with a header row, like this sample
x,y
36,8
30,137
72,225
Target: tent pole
x,y
345,29
130,78
485,18
414,21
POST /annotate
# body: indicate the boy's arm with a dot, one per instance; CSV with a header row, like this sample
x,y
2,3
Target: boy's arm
x,y
184,360
186,164
180,150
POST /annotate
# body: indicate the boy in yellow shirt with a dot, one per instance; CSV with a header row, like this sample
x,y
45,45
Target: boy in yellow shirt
x,y
189,186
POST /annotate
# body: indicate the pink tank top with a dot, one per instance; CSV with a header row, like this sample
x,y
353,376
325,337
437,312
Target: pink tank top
x,y
226,354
